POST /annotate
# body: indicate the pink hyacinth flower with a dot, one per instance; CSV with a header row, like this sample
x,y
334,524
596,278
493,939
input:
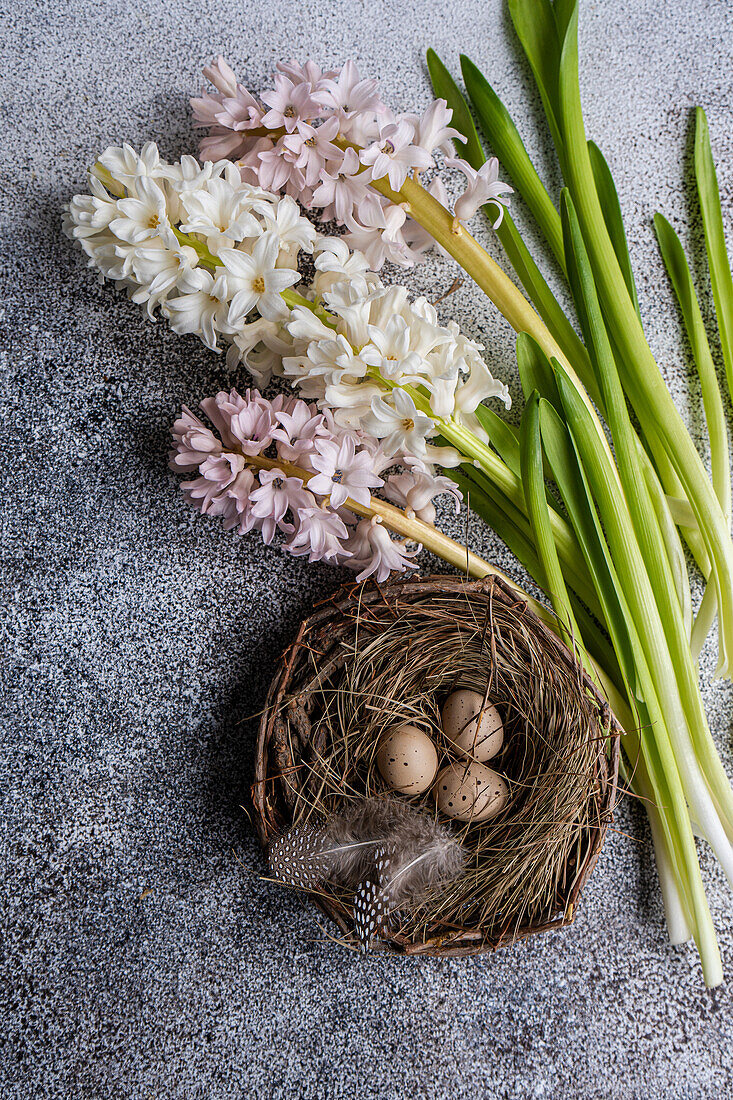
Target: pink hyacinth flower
x,y
342,472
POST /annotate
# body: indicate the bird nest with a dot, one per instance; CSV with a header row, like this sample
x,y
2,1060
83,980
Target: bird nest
x,y
376,656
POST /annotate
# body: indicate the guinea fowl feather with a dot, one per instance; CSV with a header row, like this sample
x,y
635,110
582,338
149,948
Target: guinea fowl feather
x,y
391,853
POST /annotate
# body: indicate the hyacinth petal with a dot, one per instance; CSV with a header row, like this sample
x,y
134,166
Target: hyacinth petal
x,y
221,76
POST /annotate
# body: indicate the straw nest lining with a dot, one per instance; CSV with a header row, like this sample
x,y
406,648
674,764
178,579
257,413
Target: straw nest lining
x,y
374,657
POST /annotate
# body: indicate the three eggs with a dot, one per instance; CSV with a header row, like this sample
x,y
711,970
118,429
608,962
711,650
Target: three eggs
x,y
466,789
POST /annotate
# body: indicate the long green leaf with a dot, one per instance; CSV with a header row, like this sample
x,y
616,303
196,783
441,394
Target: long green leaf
x,y
504,438
611,207
712,220
537,30
553,582
519,256
535,372
481,502
446,88
576,497
545,302
678,270
503,136
568,550
627,481
564,457
654,405
492,512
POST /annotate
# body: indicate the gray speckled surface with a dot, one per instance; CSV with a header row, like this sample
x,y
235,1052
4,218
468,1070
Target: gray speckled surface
x,y
137,637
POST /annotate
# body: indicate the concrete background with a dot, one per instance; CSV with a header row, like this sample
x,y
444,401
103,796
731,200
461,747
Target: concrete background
x,y
137,637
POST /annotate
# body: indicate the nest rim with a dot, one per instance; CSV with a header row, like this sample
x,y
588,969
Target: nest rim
x,y
270,821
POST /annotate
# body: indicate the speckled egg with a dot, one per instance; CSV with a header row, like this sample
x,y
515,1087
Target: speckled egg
x,y
407,760
470,792
476,730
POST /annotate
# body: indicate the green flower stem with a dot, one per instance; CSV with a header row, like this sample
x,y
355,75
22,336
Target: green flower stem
x,y
474,259
189,241
621,623
292,299
416,530
509,484
459,243
484,499
675,492
400,523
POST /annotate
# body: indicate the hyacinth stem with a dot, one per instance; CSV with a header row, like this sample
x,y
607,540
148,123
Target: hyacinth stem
x,y
404,524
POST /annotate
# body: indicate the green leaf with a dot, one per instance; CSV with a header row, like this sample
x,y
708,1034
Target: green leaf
x,y
573,486
533,480
508,146
491,512
678,270
537,30
612,215
504,438
514,528
712,219
535,371
545,302
446,88
563,12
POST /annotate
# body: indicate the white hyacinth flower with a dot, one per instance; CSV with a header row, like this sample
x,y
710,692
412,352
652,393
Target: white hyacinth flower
x,y
201,307
220,258
255,282
157,229
396,421
142,218
128,167
221,213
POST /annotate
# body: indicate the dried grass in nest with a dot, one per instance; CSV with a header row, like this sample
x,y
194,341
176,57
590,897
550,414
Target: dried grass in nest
x,y
375,657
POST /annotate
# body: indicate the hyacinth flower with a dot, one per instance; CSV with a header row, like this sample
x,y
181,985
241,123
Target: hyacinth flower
x,y
626,507
379,366
283,468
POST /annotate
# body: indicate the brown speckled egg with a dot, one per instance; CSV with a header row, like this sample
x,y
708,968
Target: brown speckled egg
x,y
407,760
470,792
477,731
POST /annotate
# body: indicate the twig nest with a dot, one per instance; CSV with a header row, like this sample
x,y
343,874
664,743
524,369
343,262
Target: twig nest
x,y
378,656
472,725
407,760
470,792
